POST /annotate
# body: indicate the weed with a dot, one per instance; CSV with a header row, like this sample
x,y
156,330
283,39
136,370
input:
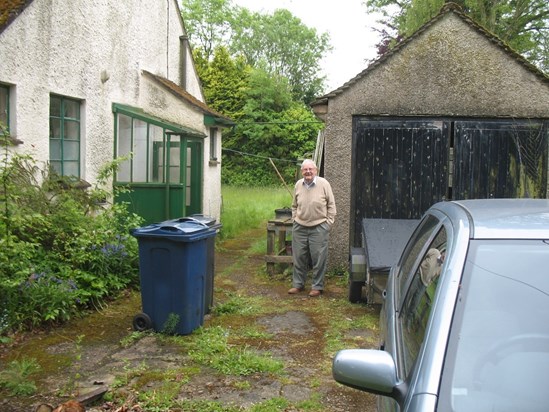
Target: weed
x,y
211,347
253,332
312,404
130,339
170,326
16,377
272,405
206,406
237,304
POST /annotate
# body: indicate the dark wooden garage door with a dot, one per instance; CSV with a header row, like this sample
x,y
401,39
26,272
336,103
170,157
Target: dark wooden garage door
x,y
402,166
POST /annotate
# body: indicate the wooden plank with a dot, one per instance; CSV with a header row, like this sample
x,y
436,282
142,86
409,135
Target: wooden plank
x,y
278,259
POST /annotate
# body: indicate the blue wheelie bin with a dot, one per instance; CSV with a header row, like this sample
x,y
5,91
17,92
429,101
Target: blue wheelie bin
x,y
173,270
210,256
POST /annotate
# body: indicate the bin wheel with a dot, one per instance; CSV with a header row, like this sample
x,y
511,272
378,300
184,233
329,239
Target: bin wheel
x,y
142,322
355,291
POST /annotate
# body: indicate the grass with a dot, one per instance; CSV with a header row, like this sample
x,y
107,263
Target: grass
x,y
250,207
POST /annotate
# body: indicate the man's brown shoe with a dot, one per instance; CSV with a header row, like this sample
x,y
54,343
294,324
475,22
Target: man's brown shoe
x,y
293,291
315,293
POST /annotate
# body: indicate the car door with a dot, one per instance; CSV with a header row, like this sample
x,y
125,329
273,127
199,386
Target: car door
x,y
412,294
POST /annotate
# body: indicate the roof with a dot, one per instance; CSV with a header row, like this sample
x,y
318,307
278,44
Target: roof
x,y
179,92
445,10
9,10
502,218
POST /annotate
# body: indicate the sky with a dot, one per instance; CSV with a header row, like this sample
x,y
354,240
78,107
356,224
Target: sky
x,y
348,25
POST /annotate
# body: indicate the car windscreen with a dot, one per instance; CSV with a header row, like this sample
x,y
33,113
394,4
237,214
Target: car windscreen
x,y
498,352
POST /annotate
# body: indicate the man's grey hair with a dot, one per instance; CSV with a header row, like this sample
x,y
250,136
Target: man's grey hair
x,y
309,161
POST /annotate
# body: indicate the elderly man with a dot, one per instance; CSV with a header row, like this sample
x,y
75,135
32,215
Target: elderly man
x,y
313,212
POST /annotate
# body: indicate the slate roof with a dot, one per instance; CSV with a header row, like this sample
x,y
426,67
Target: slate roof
x,y
447,8
181,93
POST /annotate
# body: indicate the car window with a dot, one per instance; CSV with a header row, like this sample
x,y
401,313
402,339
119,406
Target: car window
x,y
498,353
419,300
414,248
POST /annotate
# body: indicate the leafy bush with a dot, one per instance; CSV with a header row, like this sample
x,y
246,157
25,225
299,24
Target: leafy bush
x,y
62,247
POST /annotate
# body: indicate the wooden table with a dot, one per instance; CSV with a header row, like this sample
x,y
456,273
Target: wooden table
x,y
279,243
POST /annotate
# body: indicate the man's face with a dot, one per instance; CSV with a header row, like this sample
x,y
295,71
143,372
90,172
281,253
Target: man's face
x,y
308,171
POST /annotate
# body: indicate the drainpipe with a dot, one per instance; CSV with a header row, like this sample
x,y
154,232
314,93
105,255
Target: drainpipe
x,y
183,48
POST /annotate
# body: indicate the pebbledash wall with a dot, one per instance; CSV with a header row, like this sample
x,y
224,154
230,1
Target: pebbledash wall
x,y
97,52
451,67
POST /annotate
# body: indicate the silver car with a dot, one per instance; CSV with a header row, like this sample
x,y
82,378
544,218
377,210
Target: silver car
x,y
465,321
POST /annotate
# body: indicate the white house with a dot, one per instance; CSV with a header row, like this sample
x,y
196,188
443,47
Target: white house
x,y
84,82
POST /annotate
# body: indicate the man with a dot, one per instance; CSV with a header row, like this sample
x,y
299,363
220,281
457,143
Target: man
x,y
313,213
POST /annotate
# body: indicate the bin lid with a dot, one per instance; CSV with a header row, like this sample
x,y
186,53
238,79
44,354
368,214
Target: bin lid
x,y
179,231
198,217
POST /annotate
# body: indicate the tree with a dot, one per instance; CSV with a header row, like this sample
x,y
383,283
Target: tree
x,y
262,71
278,43
273,126
522,24
282,45
224,81
208,23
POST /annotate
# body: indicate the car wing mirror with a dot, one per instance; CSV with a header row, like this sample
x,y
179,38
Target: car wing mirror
x,y
368,370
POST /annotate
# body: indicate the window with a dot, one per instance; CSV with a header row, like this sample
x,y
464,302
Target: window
x,y
156,151
498,350
419,298
65,136
4,109
145,145
413,249
213,143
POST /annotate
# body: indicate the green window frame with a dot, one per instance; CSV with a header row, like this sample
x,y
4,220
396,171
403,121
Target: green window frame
x,y
4,109
143,139
65,136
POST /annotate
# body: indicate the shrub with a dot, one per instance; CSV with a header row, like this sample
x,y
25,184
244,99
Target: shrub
x,y
62,247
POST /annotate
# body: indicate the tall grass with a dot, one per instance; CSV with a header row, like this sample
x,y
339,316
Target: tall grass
x,y
250,207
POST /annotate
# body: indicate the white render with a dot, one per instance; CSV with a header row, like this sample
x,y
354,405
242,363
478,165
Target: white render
x,y
96,51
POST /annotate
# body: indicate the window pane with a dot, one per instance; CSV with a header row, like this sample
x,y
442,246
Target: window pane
x,y
124,139
72,109
188,190
55,129
71,150
55,149
175,170
55,106
71,131
419,299
213,143
71,169
498,353
157,154
139,172
4,102
56,166
413,249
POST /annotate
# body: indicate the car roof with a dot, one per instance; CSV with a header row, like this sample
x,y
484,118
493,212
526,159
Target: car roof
x,y
500,218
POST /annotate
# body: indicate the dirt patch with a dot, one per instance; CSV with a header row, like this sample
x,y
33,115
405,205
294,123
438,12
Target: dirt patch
x,y
87,354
